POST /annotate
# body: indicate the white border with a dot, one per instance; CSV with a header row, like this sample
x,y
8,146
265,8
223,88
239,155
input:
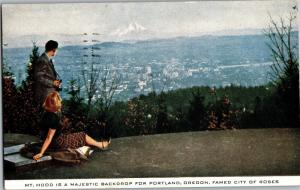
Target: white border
x,y
125,183
290,182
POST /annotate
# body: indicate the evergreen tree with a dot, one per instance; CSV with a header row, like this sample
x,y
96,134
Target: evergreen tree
x,y
9,92
27,109
286,67
75,102
258,111
28,83
5,70
197,114
162,123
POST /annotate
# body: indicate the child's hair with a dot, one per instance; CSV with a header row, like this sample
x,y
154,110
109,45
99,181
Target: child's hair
x,y
52,102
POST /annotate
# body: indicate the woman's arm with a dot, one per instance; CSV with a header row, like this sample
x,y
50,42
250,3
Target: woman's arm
x,y
47,142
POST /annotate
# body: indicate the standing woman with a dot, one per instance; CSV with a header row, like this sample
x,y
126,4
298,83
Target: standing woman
x,y
51,130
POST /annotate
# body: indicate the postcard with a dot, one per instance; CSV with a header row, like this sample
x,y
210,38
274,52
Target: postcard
x,y
150,94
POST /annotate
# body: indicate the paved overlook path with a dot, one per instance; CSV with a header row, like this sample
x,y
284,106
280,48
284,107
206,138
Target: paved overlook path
x,y
207,153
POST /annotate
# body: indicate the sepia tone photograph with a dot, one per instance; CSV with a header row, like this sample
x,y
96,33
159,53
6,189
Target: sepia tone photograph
x,y
150,89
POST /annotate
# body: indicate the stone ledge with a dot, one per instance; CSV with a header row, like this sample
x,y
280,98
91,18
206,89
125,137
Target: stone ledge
x,y
254,152
14,161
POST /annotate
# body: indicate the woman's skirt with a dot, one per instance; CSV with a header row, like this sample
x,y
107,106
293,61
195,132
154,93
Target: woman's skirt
x,y
71,140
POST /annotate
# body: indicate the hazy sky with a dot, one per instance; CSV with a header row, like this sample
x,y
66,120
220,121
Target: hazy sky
x,y
135,21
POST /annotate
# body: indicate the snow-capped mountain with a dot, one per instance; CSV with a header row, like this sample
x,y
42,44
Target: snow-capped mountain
x,y
132,28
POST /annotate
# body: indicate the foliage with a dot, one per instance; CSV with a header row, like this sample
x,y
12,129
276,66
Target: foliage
x,y
286,67
90,80
101,86
162,120
19,102
5,69
222,116
193,109
9,103
140,117
197,115
75,102
108,86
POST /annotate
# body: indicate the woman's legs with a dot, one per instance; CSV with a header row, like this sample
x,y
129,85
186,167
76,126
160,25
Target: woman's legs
x,y
101,144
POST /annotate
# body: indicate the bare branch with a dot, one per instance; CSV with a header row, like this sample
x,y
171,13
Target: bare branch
x,y
283,53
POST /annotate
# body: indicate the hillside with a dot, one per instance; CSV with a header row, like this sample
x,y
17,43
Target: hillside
x,y
216,153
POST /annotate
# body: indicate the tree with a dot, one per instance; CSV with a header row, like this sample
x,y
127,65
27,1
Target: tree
x,y
162,123
140,117
75,102
28,111
90,80
6,70
285,70
107,88
197,115
100,88
9,92
27,85
21,114
221,115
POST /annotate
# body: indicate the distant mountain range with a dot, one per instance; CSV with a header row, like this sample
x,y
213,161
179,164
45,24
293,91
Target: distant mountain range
x,y
132,33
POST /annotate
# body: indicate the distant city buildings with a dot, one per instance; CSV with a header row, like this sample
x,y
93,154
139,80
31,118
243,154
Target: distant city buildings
x,y
156,66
